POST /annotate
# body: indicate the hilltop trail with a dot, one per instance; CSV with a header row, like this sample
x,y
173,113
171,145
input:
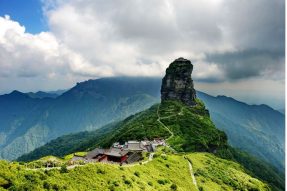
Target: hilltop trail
x,y
171,135
158,119
51,168
150,158
192,174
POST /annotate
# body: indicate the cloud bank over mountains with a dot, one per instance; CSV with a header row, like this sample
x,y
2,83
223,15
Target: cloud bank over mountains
x,y
226,40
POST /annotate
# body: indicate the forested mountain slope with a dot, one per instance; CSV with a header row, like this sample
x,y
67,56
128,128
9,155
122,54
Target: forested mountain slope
x,y
257,129
33,122
27,123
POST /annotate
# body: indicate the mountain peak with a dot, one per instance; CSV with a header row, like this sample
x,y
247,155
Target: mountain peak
x,y
177,83
16,93
181,59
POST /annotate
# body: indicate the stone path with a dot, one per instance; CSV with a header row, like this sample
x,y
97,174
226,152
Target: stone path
x,y
171,135
150,158
50,168
192,175
158,119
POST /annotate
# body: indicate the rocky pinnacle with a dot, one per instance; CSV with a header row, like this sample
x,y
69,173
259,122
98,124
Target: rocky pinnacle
x,y
177,83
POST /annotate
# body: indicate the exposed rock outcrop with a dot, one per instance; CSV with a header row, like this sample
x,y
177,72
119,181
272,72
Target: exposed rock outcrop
x,y
177,83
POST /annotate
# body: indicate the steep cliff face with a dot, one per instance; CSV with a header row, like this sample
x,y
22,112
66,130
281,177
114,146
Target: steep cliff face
x,y
177,83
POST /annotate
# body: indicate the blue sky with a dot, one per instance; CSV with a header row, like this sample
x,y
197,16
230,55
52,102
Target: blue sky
x,y
26,12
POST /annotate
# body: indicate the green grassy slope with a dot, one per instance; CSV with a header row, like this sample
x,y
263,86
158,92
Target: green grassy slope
x,y
192,130
213,173
258,168
187,129
166,171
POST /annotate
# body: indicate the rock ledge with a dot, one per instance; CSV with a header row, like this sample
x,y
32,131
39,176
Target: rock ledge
x,y
177,83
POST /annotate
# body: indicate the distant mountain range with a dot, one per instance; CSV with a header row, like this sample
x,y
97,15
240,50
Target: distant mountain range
x,y
28,122
31,120
257,129
281,111
42,94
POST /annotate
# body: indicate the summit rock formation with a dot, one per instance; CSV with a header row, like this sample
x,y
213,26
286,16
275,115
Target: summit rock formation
x,y
177,83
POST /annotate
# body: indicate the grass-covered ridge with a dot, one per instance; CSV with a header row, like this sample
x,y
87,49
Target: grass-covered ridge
x,y
167,171
213,173
192,127
187,129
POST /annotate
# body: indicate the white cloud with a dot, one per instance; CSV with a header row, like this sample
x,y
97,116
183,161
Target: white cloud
x,y
42,55
95,38
120,34
208,72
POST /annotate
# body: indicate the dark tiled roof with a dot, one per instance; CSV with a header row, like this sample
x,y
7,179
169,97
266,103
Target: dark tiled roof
x,y
135,146
116,152
95,153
